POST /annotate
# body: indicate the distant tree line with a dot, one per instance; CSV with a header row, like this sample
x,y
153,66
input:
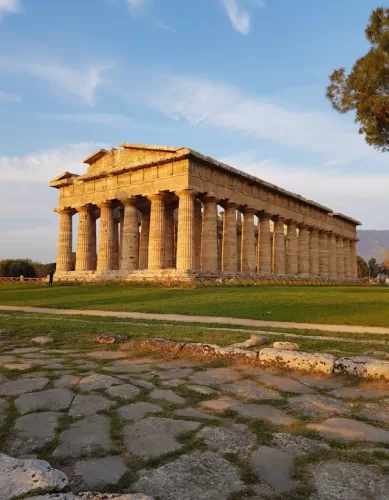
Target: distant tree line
x,y
372,268
13,268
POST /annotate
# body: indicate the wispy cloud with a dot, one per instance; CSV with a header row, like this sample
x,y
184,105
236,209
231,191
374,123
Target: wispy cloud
x,y
206,103
138,6
82,81
238,12
43,166
6,97
9,7
344,192
107,119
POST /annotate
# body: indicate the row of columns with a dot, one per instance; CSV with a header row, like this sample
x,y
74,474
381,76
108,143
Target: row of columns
x,y
304,250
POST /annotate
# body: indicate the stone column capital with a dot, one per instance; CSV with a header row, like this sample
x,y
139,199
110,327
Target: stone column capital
x,y
303,225
230,204
247,210
155,197
278,218
210,197
186,193
131,200
105,204
263,215
64,210
84,208
291,222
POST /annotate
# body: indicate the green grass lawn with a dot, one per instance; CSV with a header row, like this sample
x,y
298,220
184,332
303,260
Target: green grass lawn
x,y
330,305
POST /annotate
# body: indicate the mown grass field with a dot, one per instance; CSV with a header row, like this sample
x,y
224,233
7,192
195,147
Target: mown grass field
x,y
329,305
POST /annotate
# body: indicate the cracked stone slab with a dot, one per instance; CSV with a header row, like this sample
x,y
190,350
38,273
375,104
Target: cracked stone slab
x,y
125,391
86,405
167,395
234,439
205,476
249,390
297,445
376,411
89,495
274,467
350,430
22,477
192,413
214,376
141,383
175,373
84,437
97,381
153,436
359,393
363,367
201,389
284,384
36,355
106,355
173,383
19,387
52,400
220,404
137,411
264,412
99,471
315,406
7,359
21,367
319,382
348,481
33,431
125,366
24,350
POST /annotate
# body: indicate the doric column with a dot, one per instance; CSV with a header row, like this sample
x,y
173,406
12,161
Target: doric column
x,y
323,253
185,236
230,240
144,240
121,235
347,258
279,246
105,255
264,244
209,251
303,251
292,252
353,256
84,247
314,252
157,230
197,233
169,236
332,259
129,248
115,243
64,246
93,256
339,257
248,242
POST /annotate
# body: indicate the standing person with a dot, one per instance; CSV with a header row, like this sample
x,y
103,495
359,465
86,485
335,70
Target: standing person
x,y
51,275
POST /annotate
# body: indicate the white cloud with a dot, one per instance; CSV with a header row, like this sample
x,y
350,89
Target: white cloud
x,y
361,196
137,6
107,119
206,103
42,166
9,7
82,81
239,15
8,98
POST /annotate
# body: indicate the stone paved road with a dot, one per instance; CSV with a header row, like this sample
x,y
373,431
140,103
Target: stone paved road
x,y
176,430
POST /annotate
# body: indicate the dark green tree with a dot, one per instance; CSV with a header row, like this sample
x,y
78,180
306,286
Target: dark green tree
x,y
374,267
17,267
365,89
363,268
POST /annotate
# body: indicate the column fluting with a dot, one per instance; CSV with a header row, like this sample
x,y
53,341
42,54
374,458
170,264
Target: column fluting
x,y
332,259
303,251
292,249
314,252
130,234
209,251
185,236
279,246
264,244
169,236
323,253
347,258
339,257
157,230
84,243
197,233
248,242
64,245
144,240
230,239
105,254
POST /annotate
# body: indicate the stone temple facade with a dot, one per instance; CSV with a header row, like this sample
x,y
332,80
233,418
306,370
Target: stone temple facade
x,y
167,211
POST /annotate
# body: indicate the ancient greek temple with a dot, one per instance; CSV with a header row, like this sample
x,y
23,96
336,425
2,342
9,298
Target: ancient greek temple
x,y
149,211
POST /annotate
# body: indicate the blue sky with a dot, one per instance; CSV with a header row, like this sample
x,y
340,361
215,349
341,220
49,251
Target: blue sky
x,y
240,80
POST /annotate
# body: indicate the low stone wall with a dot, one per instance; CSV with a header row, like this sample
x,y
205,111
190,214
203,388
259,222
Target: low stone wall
x,y
323,363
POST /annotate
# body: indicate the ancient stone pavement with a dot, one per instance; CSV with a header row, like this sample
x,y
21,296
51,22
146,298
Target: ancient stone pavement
x,y
177,430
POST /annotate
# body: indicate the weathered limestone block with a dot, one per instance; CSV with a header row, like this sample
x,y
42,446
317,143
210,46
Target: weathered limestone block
x,y
297,360
253,341
288,346
162,345
22,477
363,367
217,351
